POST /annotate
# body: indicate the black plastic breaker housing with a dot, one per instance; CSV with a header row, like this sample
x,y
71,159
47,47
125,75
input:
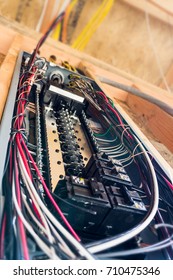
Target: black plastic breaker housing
x,y
101,210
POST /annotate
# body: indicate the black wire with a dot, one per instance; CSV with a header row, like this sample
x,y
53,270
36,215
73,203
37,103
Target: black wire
x,y
43,38
17,245
10,249
56,246
61,30
8,210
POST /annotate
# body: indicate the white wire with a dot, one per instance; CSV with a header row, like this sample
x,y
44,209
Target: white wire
x,y
38,209
118,153
138,189
126,159
40,243
122,135
63,7
32,215
104,140
128,163
22,167
48,233
105,147
136,230
63,245
71,239
151,248
115,148
131,157
155,247
163,225
42,16
50,237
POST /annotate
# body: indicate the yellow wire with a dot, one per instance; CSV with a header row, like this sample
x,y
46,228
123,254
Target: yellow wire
x,y
73,3
66,17
57,31
90,32
89,24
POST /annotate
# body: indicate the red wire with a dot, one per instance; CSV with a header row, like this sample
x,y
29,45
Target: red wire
x,y
20,142
114,111
44,37
2,237
28,170
168,183
17,125
11,164
18,139
49,195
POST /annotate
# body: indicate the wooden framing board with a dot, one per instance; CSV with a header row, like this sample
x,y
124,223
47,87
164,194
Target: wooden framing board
x,y
6,70
12,30
157,121
157,8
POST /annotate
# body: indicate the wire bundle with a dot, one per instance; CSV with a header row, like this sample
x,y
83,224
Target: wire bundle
x,y
31,215
60,32
88,31
25,211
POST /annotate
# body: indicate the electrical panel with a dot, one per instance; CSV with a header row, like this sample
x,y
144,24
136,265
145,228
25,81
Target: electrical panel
x,y
71,138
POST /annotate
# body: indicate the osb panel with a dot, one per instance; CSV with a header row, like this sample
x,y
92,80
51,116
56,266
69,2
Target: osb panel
x,y
1,58
122,40
24,11
160,147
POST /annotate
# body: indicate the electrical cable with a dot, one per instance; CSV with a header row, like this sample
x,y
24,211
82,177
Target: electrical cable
x,y
42,15
95,25
30,229
89,25
43,38
152,248
103,134
92,25
68,11
161,104
19,201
